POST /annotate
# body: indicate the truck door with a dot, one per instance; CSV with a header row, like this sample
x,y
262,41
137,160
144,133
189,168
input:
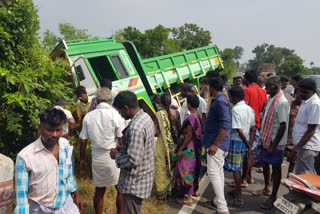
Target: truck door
x,y
83,76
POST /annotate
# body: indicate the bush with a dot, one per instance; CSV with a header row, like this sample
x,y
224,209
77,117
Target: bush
x,y
29,81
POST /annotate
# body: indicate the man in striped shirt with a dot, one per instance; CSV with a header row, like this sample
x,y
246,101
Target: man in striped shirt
x,y
44,171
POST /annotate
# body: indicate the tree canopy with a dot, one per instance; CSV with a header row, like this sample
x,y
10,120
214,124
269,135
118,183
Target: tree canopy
x,y
231,59
29,80
67,32
191,36
286,60
161,40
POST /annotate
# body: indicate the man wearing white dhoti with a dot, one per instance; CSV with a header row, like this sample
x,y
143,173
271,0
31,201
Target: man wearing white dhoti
x,y
103,127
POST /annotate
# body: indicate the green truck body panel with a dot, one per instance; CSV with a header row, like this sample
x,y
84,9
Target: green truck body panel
x,y
93,60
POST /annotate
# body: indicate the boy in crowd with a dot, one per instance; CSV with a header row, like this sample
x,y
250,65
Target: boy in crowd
x,y
188,89
85,101
242,135
68,127
284,84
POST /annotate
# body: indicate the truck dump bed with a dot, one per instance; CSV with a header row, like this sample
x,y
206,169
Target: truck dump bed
x,y
163,72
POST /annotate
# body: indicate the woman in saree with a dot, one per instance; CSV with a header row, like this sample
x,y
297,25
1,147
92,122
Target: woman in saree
x,y
187,173
168,125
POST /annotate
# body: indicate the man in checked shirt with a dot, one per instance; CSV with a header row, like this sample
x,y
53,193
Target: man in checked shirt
x,y
136,156
44,171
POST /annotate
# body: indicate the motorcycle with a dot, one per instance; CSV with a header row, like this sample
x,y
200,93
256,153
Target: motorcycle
x,y
303,196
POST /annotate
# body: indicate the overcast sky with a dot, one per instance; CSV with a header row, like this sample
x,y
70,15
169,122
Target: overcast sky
x,y
286,23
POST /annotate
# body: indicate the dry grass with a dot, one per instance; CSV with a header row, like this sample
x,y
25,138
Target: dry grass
x,y
86,190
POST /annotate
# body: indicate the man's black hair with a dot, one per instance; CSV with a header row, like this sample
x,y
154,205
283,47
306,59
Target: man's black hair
x,y
217,83
80,90
237,77
269,74
53,117
297,77
237,92
204,80
251,76
284,78
125,98
193,100
106,83
212,74
261,79
61,102
156,97
309,84
224,78
187,87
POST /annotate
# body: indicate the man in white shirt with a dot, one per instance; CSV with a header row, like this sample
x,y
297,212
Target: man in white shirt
x,y
188,89
306,130
103,127
68,127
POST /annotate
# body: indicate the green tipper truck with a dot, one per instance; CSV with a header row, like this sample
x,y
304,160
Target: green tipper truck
x,y
93,60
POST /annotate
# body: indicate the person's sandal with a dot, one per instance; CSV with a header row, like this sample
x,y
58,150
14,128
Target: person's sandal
x,y
232,193
243,185
238,203
261,192
196,194
184,201
267,205
211,205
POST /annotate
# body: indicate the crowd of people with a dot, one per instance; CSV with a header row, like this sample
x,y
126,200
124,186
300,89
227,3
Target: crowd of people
x,y
221,128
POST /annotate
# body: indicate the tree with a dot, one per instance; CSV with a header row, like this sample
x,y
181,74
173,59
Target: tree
x,y
191,36
151,43
171,46
133,35
287,61
154,41
291,65
230,59
50,40
311,64
29,80
67,32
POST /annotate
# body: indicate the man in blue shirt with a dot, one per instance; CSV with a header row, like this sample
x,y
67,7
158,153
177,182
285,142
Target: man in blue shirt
x,y
216,141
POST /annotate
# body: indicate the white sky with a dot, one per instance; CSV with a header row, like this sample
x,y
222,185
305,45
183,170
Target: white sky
x,y
247,23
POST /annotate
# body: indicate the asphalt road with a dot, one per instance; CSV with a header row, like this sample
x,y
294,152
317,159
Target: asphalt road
x,y
251,202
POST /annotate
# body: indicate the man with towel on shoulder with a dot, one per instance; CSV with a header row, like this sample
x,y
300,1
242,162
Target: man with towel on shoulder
x,y
274,133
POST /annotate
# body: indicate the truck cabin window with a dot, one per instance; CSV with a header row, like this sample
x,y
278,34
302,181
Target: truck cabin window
x,y
102,68
119,66
83,75
80,73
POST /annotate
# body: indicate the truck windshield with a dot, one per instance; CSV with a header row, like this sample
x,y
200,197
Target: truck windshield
x,y
102,68
83,75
